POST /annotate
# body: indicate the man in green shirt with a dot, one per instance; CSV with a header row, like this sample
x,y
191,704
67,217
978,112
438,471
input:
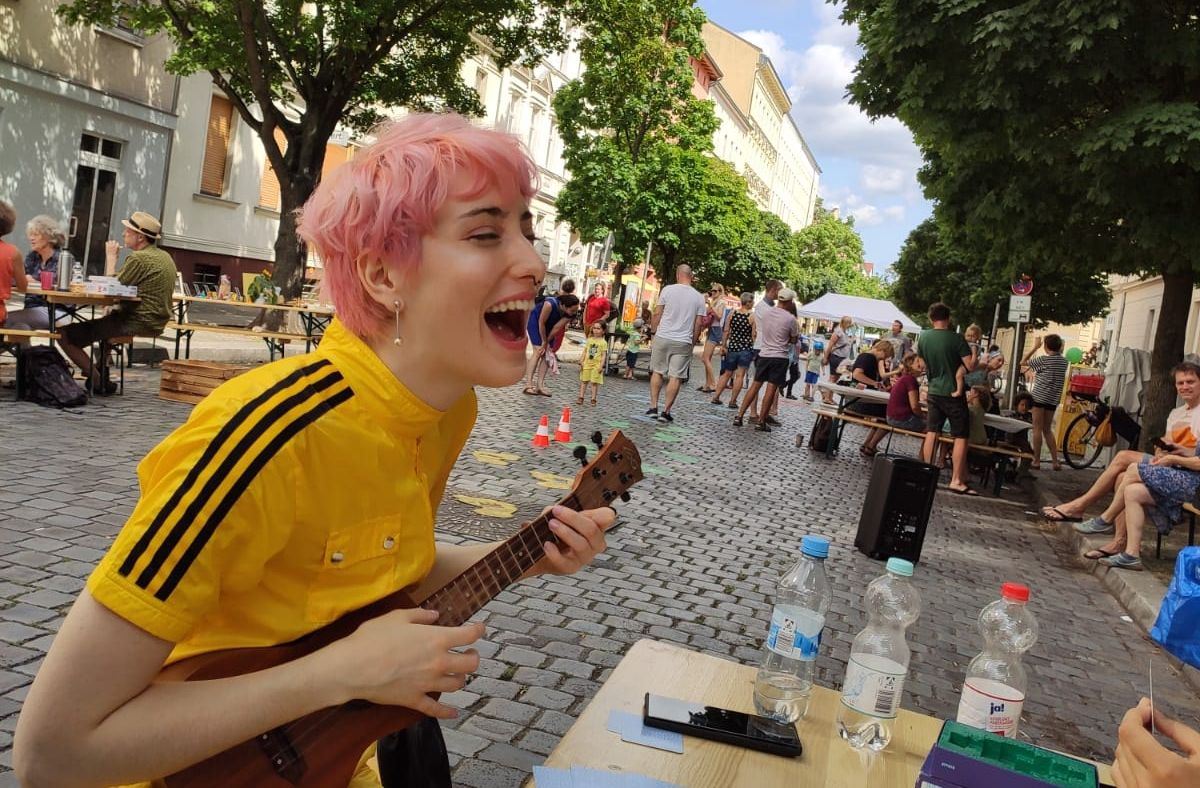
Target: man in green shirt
x,y
944,352
148,268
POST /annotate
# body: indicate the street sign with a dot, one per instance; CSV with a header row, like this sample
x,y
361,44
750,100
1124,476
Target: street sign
x,y
1018,308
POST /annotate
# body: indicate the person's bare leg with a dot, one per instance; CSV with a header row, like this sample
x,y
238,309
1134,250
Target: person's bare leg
x,y
1117,505
79,356
543,367
769,399
957,479
655,386
1039,416
739,380
748,401
1105,484
1137,498
874,438
722,384
928,446
709,377
531,365
673,385
1048,431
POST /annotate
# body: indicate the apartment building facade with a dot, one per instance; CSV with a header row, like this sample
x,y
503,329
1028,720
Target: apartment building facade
x,y
87,116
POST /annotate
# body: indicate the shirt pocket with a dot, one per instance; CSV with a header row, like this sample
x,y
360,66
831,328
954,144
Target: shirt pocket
x,y
358,567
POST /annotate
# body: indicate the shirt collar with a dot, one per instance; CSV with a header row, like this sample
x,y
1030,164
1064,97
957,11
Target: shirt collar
x,y
375,387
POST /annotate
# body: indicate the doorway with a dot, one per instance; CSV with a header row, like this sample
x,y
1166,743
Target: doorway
x,y
91,209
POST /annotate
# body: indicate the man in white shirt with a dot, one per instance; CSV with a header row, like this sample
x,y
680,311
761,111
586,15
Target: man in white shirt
x,y
1182,432
676,327
761,310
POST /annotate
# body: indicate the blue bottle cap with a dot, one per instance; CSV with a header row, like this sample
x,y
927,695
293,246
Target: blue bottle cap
x,y
815,546
898,566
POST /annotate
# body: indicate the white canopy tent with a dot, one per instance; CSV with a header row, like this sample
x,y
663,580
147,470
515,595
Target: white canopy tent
x,y
872,312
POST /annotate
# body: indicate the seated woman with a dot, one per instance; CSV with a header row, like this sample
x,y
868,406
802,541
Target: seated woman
x,y
46,239
866,374
1158,487
904,403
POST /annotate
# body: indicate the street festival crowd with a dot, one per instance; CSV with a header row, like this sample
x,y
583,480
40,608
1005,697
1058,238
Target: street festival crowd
x,y
243,575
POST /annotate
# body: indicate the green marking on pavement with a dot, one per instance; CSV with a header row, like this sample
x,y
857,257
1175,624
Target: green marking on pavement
x,y
527,436
619,424
653,470
680,457
676,429
666,437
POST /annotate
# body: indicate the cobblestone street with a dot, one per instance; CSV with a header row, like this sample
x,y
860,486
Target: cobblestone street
x,y
694,561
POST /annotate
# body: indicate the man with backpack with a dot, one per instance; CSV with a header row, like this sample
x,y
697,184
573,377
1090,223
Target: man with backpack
x,y
148,268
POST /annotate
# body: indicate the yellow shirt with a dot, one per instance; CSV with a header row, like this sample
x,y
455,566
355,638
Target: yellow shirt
x,y
594,350
294,493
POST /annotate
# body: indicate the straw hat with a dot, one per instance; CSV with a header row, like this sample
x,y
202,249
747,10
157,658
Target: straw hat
x,y
144,223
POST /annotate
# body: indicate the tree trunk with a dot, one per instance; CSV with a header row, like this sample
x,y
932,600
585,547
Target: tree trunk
x,y
1168,351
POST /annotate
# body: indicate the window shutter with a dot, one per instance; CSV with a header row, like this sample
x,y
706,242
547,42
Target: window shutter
x,y
268,190
335,156
216,146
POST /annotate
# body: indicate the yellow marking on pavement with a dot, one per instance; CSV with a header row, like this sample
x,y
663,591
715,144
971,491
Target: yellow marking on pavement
x,y
552,480
499,458
488,507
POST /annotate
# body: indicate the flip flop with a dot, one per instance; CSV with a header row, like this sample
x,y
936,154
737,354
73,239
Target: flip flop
x,y
530,392
543,393
963,491
1098,554
1061,518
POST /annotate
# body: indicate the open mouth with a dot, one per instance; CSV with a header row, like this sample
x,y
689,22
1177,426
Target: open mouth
x,y
507,320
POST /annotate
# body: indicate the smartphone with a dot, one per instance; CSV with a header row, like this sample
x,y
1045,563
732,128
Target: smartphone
x,y
723,725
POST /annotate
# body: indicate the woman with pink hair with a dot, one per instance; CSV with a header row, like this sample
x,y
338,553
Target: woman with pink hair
x,y
306,489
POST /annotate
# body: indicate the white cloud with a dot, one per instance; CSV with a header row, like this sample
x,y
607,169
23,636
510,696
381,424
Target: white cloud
x,y
884,180
866,214
816,80
894,212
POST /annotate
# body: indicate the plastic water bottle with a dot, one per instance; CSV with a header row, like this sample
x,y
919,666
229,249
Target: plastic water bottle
x,y
802,599
878,663
994,690
77,273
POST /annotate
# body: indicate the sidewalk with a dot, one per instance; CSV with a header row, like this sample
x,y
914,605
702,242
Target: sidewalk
x,y
1140,593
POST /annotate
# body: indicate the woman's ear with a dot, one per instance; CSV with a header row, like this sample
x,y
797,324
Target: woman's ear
x,y
382,283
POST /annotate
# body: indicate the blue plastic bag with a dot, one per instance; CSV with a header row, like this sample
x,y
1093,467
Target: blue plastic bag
x,y
1178,626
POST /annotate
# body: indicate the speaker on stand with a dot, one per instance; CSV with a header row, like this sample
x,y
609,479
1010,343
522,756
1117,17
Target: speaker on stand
x,y
896,510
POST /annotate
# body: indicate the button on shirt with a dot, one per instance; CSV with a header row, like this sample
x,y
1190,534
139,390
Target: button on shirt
x,y
778,330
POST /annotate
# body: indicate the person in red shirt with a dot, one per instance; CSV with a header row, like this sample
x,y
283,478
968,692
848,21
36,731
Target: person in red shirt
x,y
598,307
12,270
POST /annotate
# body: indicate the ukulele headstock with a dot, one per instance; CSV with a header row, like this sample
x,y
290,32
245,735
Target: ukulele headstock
x,y
616,467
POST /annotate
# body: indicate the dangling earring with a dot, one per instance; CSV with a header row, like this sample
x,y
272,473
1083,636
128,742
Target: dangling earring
x,y
399,340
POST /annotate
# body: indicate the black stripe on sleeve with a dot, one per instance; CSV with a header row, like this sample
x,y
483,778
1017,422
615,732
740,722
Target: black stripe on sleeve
x,y
240,486
210,452
184,523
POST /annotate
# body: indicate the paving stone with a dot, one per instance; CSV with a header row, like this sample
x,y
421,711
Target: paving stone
x,y
514,757
509,711
14,632
463,743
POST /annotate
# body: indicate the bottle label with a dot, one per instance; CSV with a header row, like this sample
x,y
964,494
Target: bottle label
x,y
991,706
795,632
873,685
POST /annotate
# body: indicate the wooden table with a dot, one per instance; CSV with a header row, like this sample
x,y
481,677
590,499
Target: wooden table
x,y
667,669
71,303
315,317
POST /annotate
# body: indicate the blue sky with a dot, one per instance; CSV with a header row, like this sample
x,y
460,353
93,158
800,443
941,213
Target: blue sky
x,y
868,169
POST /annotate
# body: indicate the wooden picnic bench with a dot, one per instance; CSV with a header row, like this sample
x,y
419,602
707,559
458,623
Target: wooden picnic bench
x,y
1003,455
14,348
276,341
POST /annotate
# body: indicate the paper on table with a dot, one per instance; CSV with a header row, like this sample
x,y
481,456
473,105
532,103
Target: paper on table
x,y
553,778
633,730
597,778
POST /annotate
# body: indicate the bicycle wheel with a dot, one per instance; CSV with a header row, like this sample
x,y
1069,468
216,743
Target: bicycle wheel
x,y
1078,448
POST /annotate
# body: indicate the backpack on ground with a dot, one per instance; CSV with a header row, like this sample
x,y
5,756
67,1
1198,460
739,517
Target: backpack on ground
x,y
818,439
48,380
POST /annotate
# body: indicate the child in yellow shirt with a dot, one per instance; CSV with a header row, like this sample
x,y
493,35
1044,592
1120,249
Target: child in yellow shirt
x,y
591,369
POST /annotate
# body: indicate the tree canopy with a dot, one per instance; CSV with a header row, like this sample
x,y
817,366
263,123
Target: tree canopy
x,y
828,257
1065,135
300,69
633,134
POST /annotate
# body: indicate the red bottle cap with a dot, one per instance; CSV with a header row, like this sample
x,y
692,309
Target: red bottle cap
x,y
1015,591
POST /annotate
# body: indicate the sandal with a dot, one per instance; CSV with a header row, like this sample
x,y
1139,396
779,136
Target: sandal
x,y
963,491
593,400
530,392
1056,515
737,421
1096,554
543,393
579,401
864,451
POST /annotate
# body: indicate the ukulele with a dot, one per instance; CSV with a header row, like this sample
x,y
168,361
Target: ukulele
x,y
322,749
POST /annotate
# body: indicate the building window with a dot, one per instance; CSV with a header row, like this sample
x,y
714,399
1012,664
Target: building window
x,y
481,84
216,146
268,189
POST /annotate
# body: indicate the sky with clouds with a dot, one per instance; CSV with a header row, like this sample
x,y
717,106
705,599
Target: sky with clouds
x,y
868,170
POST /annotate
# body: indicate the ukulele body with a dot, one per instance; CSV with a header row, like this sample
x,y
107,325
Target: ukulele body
x,y
319,750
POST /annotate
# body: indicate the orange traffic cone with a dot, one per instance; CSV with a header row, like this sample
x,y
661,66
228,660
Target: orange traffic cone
x,y
542,437
563,433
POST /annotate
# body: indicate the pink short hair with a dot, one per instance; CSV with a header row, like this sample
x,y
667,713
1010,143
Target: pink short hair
x,y
382,202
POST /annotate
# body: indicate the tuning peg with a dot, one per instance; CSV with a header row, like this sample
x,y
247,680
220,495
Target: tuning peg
x,y
598,439
625,497
580,454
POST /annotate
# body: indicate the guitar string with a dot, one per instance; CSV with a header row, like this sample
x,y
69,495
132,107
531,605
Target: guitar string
x,y
512,568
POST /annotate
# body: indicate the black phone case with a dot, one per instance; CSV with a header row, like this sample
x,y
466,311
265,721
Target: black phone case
x,y
762,745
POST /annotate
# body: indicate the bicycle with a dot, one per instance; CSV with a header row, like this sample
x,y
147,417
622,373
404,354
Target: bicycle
x,y
1079,447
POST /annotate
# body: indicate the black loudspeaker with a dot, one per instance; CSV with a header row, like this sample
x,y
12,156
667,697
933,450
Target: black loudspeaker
x,y
896,510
